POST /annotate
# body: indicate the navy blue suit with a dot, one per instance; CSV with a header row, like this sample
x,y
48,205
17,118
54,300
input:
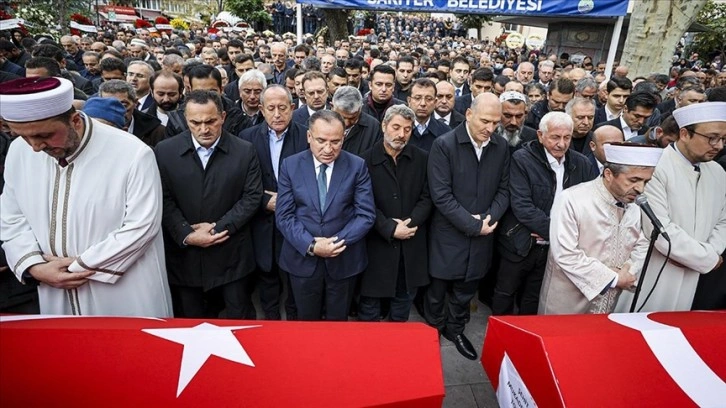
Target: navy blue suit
x,y
349,215
462,103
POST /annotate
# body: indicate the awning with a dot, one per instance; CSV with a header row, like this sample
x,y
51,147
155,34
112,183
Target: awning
x,y
121,18
149,14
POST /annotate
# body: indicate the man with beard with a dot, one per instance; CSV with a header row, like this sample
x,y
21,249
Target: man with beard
x,y
361,129
93,249
660,136
444,111
512,128
397,245
278,51
205,77
353,68
539,172
423,101
582,112
167,89
142,125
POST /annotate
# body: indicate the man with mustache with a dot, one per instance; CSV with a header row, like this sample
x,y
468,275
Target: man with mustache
x,y
596,243
167,89
397,245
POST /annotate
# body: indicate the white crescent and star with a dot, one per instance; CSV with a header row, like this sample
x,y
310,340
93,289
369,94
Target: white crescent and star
x,y
200,342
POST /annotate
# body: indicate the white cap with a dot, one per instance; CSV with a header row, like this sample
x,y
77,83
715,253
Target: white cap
x,y
33,99
512,95
631,154
700,113
138,41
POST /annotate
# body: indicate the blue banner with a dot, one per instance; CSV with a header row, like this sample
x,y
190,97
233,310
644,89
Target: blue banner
x,y
572,8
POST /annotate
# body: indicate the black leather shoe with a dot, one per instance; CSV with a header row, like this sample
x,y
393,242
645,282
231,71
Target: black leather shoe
x,y
463,346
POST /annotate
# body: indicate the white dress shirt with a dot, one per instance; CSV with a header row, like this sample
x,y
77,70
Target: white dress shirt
x,y
328,171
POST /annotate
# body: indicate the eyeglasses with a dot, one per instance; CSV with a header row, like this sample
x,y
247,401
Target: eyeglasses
x,y
713,141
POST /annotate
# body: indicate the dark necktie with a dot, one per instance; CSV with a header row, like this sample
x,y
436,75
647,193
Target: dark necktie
x,y
458,93
62,162
443,120
696,168
322,185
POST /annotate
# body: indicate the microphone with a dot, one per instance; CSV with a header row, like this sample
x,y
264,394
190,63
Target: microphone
x,y
642,202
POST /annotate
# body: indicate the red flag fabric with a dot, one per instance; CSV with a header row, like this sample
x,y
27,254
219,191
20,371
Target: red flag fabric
x,y
116,361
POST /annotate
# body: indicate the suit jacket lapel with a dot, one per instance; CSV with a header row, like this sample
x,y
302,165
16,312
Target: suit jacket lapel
x,y
307,169
340,169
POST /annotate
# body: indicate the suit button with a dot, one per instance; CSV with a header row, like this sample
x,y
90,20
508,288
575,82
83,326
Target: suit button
x,y
395,196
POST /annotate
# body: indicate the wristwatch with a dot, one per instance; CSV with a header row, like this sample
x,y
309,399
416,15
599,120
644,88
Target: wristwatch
x,y
311,249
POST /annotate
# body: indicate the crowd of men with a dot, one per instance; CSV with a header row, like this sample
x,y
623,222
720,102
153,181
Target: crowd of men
x,y
360,177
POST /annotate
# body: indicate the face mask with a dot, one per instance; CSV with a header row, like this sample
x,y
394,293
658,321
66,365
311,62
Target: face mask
x,y
498,66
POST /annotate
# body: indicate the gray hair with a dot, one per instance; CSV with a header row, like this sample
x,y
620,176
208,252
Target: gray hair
x,y
579,100
170,60
398,110
553,119
348,99
585,83
274,86
117,86
547,63
617,168
253,75
145,65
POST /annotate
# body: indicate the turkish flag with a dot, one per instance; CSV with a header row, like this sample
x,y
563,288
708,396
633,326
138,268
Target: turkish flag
x,y
674,359
117,361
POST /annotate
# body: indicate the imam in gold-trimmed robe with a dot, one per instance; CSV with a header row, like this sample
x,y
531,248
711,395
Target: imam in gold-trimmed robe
x,y
590,237
104,209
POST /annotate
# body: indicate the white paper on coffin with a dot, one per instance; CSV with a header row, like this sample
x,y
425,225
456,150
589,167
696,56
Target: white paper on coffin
x,y
678,358
512,392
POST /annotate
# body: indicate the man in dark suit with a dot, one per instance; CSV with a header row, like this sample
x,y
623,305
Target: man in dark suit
x,y
460,75
361,129
380,98
688,90
482,80
638,108
618,90
397,245
142,125
208,78
324,210
558,95
353,67
444,111
468,177
423,102
582,112
315,87
251,85
212,189
274,139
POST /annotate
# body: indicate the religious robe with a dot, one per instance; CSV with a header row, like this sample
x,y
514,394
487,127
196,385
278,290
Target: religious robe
x,y
590,237
103,209
691,206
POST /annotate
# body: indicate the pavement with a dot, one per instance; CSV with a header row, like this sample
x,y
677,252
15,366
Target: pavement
x,y
467,385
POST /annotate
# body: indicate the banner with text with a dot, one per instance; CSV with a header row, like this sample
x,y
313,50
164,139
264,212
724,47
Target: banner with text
x,y
584,8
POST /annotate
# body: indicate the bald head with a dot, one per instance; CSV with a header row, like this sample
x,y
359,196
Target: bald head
x,y
621,71
525,72
576,74
483,117
602,136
